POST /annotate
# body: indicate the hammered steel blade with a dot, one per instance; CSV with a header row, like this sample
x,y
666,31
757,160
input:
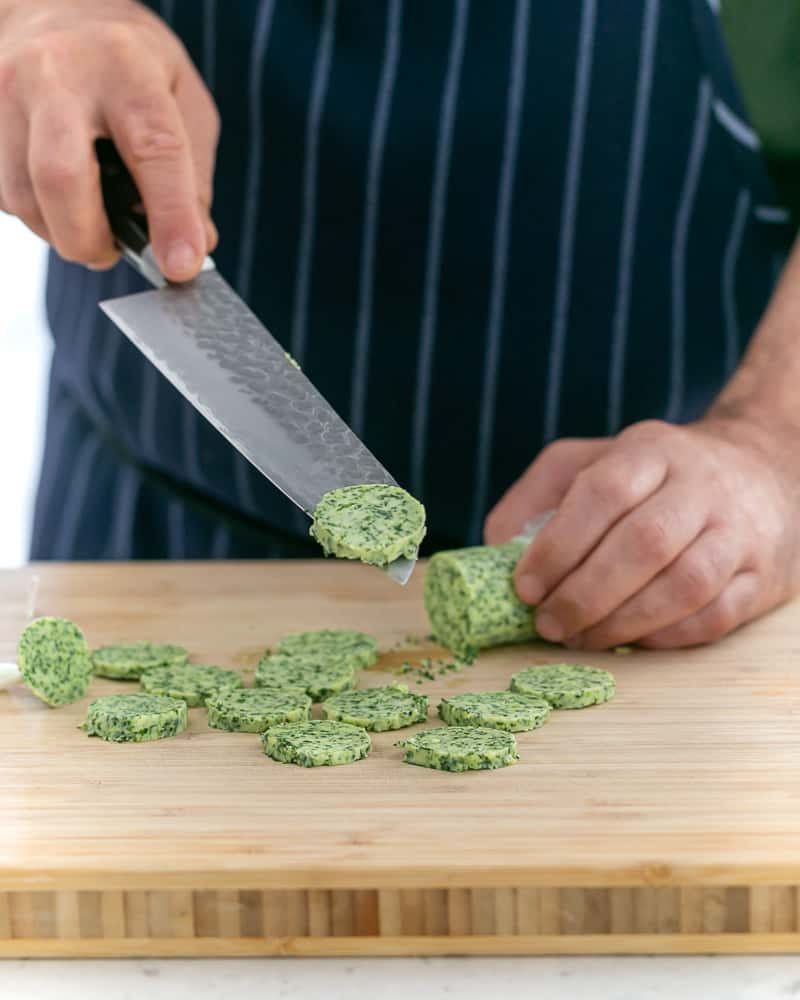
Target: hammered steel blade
x,y
217,353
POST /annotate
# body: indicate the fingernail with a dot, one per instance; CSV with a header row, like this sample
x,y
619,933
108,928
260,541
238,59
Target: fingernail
x,y
549,627
181,259
529,588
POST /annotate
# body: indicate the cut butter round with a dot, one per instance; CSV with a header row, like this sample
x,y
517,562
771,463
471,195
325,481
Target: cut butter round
x,y
129,660
460,748
373,522
317,743
191,682
378,709
254,710
54,660
565,685
357,647
317,676
514,713
135,718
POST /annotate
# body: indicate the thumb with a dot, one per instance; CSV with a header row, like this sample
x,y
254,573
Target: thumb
x,y
542,486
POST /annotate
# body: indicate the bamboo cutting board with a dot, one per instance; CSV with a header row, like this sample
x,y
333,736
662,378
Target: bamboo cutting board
x,y
665,821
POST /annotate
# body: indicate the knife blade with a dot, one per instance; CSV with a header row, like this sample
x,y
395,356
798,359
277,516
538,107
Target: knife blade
x,y
219,355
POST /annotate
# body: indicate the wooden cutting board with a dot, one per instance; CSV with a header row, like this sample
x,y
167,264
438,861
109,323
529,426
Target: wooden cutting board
x,y
667,820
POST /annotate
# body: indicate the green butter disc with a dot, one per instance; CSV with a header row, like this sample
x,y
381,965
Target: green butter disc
x,y
253,710
471,601
135,718
372,522
514,713
316,743
378,709
460,748
317,676
128,661
357,647
54,660
191,682
565,685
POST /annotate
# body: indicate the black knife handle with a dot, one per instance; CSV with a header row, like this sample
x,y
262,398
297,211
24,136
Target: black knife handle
x,y
121,197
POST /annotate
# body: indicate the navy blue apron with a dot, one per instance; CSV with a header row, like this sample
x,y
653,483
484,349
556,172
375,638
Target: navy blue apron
x,y
479,226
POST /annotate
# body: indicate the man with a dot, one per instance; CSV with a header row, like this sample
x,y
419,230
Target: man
x,y
484,229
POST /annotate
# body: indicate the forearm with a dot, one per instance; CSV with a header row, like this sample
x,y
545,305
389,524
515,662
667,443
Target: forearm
x,y
765,389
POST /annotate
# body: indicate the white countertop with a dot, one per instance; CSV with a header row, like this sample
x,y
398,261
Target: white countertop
x,y
607,978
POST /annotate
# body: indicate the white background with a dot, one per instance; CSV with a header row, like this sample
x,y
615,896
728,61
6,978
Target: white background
x,y
24,355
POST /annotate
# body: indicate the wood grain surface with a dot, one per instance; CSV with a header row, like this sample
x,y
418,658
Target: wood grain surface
x,y
670,814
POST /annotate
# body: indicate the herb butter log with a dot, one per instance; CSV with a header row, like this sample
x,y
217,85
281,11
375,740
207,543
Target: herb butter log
x,y
54,661
471,601
373,522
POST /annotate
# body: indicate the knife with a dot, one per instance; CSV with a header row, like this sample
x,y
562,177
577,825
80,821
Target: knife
x,y
219,355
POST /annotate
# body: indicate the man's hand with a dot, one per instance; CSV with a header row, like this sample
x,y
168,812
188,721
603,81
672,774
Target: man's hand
x,y
670,536
74,70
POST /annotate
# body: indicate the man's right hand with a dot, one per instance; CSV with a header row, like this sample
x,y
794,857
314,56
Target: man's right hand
x,y
75,70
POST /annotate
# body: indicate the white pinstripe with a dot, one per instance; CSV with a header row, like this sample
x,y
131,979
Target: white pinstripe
x,y
319,89
383,105
210,42
167,10
252,187
221,541
148,426
111,350
189,415
682,222
776,214
502,236
58,433
734,125
120,540
619,334
176,530
729,262
430,301
568,219
79,485
263,25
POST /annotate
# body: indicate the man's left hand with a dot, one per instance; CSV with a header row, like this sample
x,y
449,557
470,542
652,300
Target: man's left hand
x,y
664,535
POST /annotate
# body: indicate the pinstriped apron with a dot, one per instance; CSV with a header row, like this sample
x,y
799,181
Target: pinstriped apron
x,y
478,225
